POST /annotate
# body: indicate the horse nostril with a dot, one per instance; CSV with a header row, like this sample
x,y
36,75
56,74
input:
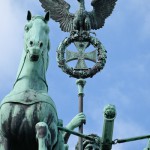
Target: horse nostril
x,y
40,44
31,43
34,57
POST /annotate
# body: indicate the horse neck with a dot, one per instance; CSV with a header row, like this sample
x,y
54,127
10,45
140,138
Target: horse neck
x,y
31,75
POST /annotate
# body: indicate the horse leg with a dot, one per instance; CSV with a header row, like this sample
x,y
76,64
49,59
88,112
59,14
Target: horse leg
x,y
43,135
4,115
3,143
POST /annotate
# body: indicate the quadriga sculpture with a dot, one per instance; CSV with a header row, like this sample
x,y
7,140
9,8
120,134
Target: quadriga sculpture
x,y
28,105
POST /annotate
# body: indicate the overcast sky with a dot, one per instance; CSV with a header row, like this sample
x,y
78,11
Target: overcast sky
x,y
124,81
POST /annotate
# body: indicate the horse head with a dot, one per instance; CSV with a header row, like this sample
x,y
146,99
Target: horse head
x,y
36,37
35,57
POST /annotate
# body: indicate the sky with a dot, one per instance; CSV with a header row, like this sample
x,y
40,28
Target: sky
x,y
124,81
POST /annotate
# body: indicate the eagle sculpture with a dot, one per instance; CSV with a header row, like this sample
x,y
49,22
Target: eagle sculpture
x,y
82,19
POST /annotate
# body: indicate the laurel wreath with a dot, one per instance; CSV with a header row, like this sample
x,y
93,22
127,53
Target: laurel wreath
x,y
85,73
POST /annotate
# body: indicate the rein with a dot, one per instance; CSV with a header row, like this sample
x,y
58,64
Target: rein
x,y
44,80
21,68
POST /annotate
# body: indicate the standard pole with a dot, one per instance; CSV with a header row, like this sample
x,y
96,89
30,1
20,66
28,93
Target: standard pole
x,y
80,83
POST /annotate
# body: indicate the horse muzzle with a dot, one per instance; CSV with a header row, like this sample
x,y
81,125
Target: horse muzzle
x,y
35,50
34,57
34,54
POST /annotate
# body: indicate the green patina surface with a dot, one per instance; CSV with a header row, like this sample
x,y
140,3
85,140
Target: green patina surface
x,y
28,103
81,56
28,106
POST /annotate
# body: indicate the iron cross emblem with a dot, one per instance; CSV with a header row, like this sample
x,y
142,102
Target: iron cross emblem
x,y
81,55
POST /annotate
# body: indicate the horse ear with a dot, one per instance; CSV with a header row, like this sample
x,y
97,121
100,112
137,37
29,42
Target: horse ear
x,y
29,15
47,17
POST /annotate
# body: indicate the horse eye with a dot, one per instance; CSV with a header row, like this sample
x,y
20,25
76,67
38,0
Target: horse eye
x,y
26,28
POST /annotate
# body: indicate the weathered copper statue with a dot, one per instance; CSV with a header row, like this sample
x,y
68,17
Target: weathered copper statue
x,y
28,105
28,116
82,19
79,25
90,145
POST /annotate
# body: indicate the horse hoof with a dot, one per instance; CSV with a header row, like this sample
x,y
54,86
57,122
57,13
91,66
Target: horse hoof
x,y
41,130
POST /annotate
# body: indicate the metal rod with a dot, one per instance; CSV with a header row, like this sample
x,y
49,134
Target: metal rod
x,y
81,126
80,83
131,139
76,133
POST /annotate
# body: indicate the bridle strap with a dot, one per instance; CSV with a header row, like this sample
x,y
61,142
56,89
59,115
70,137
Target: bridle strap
x,y
44,80
21,68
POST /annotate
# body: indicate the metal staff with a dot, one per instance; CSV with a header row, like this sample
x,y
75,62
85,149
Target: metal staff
x,y
118,141
80,83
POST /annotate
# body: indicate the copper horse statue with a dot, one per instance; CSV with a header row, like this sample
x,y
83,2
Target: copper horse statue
x,y
28,116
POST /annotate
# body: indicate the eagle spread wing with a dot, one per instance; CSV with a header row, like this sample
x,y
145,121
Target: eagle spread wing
x,y
101,10
59,11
